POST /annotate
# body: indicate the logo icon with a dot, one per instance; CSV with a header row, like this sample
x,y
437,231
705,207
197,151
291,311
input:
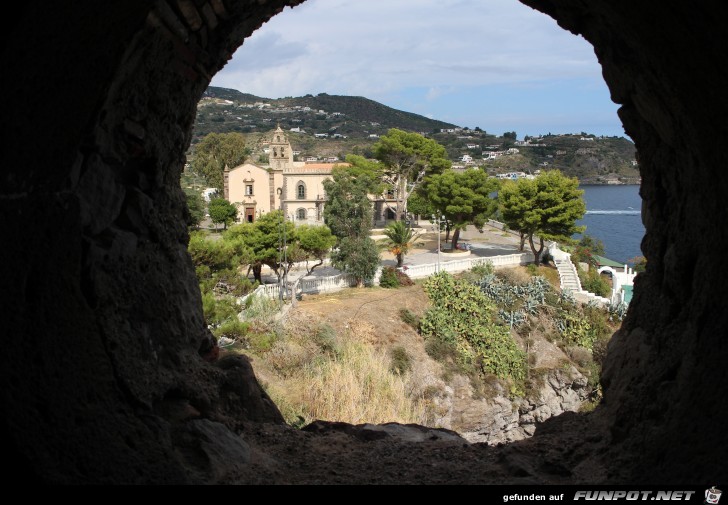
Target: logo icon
x,y
712,496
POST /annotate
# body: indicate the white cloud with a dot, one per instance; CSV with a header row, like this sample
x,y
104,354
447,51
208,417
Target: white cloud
x,y
380,48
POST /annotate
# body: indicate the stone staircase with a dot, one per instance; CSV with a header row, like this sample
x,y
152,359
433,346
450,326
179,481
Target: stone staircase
x,y
569,278
567,274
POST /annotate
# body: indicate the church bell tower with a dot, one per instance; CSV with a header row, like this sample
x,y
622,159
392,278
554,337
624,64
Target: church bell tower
x,y
281,154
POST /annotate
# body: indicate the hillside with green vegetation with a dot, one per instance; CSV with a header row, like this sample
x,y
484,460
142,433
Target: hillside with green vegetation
x,y
326,126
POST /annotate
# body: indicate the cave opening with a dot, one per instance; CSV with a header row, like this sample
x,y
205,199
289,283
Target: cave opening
x,y
104,330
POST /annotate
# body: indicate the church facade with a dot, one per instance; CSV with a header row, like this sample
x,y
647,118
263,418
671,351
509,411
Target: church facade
x,y
296,187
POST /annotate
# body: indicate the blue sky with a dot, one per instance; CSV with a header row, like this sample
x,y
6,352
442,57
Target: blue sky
x,y
496,64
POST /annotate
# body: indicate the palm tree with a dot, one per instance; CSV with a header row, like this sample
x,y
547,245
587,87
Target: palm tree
x,y
400,239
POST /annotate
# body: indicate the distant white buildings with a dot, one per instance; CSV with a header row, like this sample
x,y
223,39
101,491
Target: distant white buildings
x,y
515,176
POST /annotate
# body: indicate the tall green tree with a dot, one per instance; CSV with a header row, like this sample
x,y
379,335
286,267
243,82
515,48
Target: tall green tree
x,y
218,266
316,243
348,213
195,208
408,158
361,166
358,256
544,209
464,198
264,239
419,205
515,200
214,152
222,212
400,239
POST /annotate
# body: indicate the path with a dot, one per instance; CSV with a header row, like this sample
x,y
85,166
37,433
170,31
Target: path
x,y
491,242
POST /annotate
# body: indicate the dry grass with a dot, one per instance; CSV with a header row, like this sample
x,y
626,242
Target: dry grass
x,y
551,275
358,387
346,377
513,275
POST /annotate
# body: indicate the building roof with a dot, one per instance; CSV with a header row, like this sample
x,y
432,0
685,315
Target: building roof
x,y
316,167
606,262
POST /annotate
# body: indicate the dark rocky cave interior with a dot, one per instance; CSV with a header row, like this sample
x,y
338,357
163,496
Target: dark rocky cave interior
x,y
109,375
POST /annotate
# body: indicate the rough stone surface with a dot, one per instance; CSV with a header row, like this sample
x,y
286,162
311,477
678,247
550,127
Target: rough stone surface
x,y
498,420
102,321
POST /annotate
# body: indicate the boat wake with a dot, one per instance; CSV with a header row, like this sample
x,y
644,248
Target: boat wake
x,y
616,212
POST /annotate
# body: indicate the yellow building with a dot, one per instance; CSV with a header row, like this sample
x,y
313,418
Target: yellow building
x,y
294,186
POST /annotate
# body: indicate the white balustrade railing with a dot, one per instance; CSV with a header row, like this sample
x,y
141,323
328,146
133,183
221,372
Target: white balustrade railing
x,y
331,283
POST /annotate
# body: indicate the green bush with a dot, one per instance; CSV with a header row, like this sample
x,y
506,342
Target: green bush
x,y
463,316
325,339
532,269
440,350
401,361
233,329
219,310
483,268
584,327
594,283
410,318
261,342
230,282
389,278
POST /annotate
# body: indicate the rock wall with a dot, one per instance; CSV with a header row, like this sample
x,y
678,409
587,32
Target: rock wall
x,y
104,368
498,419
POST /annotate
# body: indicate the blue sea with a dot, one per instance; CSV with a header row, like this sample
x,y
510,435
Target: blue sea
x,y
613,216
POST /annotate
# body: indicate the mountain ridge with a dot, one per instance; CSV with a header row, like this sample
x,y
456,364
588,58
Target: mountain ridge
x,y
325,126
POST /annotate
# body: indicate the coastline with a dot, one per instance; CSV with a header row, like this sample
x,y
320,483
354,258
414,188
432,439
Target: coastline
x,y
626,182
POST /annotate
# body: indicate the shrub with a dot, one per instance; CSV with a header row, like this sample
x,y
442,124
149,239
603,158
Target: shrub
x,y
261,342
583,328
617,311
463,316
260,307
532,269
483,268
514,276
233,329
401,361
404,279
594,283
388,278
230,282
410,318
218,310
325,338
639,262
579,355
582,254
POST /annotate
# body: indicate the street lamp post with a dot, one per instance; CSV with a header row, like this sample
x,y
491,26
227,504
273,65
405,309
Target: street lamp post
x,y
438,219
282,251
